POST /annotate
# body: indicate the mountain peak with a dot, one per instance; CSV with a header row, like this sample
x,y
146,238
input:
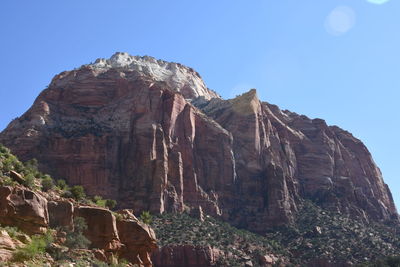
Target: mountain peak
x,y
182,78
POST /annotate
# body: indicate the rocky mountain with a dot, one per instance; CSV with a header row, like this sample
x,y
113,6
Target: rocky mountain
x,y
151,135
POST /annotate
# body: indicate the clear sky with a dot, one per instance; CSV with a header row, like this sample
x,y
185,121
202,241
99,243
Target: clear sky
x,y
333,59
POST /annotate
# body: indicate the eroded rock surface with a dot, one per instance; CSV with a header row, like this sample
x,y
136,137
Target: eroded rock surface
x,y
23,208
102,228
126,236
61,214
7,246
138,238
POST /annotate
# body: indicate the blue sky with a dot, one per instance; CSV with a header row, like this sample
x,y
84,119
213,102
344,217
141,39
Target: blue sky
x,y
334,59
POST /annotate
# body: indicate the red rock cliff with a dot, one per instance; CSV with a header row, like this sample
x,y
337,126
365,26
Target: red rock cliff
x,y
151,135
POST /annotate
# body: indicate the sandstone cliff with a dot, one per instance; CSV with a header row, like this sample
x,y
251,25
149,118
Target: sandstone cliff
x,y
151,135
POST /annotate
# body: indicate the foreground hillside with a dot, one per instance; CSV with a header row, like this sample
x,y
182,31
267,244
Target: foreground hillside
x,y
317,238
44,222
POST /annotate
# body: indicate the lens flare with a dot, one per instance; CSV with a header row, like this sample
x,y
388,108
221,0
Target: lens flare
x,y
378,2
340,20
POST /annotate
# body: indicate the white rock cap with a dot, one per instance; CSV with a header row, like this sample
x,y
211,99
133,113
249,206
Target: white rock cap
x,y
181,78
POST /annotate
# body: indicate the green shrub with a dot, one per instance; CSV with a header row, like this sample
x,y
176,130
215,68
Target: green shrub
x,y
67,194
76,239
37,246
8,163
7,181
61,184
146,217
99,201
3,149
78,192
12,231
117,262
111,203
32,164
47,183
19,167
29,181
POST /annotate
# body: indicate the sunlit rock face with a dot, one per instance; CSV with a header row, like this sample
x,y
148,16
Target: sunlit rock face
x,y
153,137
178,77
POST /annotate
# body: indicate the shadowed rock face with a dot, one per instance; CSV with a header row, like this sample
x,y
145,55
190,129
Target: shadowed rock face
x,y
134,135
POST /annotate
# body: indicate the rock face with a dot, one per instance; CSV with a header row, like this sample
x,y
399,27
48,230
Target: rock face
x,y
138,238
102,228
61,214
24,209
7,246
152,136
127,237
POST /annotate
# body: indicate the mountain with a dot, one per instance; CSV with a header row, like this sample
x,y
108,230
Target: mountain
x,y
151,135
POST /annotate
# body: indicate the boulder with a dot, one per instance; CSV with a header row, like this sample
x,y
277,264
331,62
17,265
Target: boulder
x,y
61,214
102,229
24,209
7,246
17,177
139,241
266,260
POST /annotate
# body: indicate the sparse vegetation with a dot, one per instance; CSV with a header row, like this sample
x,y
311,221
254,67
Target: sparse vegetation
x,y
317,233
78,192
29,181
37,246
105,203
12,231
99,201
111,203
62,185
391,261
76,239
146,217
47,183
336,237
242,245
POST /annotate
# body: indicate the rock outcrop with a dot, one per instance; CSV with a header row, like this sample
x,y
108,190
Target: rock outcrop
x,y
33,214
24,209
126,236
138,238
102,228
152,136
61,214
7,246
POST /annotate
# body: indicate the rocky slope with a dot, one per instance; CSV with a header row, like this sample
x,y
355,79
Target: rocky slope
x,y
151,135
317,238
37,224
